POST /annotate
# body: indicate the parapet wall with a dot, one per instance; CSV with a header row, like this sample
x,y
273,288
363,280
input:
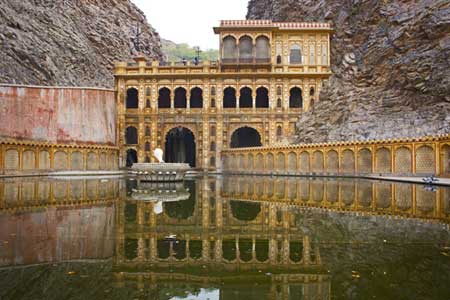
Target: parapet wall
x,y
45,129
422,156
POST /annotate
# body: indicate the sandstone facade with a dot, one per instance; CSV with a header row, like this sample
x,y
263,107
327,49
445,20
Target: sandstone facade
x,y
390,64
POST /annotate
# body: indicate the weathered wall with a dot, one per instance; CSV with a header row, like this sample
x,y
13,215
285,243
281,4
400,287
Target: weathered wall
x,y
58,115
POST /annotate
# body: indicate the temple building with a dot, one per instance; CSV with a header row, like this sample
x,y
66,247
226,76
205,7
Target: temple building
x,y
267,74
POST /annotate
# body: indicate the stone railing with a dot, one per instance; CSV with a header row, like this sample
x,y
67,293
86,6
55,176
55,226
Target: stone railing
x,y
37,158
415,156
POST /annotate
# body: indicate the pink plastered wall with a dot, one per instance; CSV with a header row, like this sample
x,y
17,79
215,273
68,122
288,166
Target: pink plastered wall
x,y
58,115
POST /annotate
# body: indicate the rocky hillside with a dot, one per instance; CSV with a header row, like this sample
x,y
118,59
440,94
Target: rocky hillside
x,y
391,67
70,43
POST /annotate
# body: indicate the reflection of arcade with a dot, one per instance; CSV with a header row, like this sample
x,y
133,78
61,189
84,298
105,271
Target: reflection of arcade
x,y
367,197
52,221
26,194
213,241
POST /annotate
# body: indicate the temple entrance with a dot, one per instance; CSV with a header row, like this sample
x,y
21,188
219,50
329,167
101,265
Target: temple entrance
x,y
131,157
245,137
180,146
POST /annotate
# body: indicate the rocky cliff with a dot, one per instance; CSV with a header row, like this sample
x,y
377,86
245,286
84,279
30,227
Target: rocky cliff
x,y
70,43
391,67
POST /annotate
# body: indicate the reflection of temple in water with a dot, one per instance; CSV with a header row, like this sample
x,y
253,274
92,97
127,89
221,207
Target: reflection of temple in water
x,y
204,239
222,233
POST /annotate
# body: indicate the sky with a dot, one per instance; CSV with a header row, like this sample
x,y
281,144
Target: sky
x,y
191,22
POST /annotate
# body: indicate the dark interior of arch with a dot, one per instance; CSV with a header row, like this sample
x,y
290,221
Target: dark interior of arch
x,y
229,98
245,137
132,98
180,146
196,100
245,99
195,249
131,135
180,100
131,157
245,211
245,249
182,209
164,98
295,98
262,98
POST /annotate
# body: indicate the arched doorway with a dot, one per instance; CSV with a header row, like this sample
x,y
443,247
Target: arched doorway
x,y
196,99
131,157
132,98
245,137
295,98
131,135
229,98
164,98
180,146
245,99
180,100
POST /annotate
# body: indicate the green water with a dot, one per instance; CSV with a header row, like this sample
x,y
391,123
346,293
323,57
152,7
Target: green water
x,y
223,238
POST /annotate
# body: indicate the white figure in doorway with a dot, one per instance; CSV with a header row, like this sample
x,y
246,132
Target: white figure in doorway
x,y
158,154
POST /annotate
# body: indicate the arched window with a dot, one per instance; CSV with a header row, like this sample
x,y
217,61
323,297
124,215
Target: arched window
x,y
147,159
212,161
279,59
212,146
213,131
196,100
295,98
147,146
132,98
229,53
245,49
164,98
131,136
311,91
180,100
262,49
213,91
295,54
229,98
147,131
245,99
213,103
147,104
262,97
